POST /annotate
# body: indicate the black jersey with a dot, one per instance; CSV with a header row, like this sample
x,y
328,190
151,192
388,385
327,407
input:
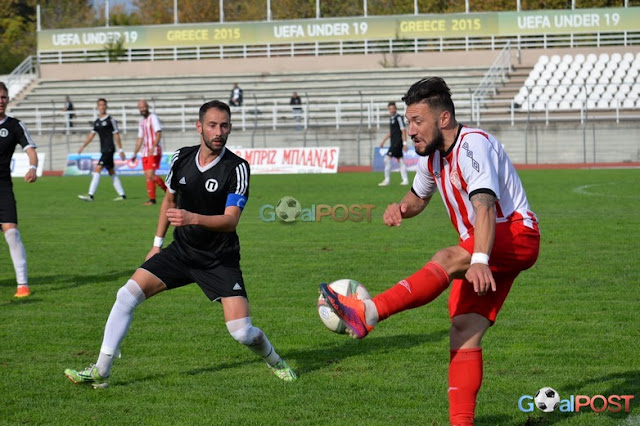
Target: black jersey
x,y
396,126
207,191
106,127
12,133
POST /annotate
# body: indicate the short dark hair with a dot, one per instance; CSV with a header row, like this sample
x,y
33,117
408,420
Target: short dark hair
x,y
391,104
434,92
103,100
213,104
3,87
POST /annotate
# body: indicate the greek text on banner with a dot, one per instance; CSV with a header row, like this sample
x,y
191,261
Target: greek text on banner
x,y
290,160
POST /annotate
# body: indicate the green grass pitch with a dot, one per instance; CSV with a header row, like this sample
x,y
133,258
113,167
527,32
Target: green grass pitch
x,y
572,322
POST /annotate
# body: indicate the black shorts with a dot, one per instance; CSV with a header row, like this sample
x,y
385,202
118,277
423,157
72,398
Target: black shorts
x,y
8,211
106,160
395,153
221,280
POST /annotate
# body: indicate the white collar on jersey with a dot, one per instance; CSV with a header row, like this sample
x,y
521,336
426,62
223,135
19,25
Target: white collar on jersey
x,y
211,164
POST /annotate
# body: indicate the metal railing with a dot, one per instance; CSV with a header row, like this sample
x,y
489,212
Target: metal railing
x,y
495,77
412,45
21,76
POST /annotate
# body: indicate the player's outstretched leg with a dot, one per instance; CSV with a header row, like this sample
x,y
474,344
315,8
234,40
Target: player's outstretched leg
x,y
252,337
19,259
128,298
350,309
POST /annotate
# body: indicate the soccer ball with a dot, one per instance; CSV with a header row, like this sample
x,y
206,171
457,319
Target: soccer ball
x,y
288,209
547,399
344,287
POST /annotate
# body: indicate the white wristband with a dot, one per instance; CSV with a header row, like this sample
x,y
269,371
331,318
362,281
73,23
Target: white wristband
x,y
120,150
480,258
33,167
158,241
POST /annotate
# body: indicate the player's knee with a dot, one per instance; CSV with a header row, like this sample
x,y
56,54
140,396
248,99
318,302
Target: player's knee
x,y
130,295
244,332
454,260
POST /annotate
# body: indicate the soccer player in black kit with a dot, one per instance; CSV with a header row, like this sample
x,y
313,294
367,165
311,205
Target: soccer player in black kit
x,y
107,129
13,133
207,188
397,136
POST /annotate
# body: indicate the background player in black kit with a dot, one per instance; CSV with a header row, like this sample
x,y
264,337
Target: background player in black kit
x,y
12,133
107,129
208,187
397,136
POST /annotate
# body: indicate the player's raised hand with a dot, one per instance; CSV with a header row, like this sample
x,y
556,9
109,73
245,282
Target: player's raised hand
x,y
180,217
481,277
394,213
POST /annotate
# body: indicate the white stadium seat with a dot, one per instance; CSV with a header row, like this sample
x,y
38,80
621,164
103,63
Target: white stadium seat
x,y
543,59
577,104
628,57
604,58
564,105
567,59
555,59
579,59
592,57
603,104
616,57
628,103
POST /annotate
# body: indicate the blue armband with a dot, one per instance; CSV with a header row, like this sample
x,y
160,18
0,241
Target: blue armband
x,y
236,200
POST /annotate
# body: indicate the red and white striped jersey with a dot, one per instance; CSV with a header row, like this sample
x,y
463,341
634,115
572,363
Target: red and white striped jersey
x,y
147,129
476,161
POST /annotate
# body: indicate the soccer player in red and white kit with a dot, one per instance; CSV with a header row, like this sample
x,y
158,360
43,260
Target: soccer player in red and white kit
x,y
149,135
499,237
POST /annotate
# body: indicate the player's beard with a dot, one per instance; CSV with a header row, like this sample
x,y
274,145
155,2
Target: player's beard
x,y
209,143
437,142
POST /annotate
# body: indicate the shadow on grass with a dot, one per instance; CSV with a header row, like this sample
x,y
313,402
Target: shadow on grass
x,y
41,285
308,360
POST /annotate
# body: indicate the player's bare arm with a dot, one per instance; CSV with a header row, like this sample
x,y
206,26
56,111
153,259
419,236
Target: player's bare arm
x,y
31,175
118,140
479,274
387,136
226,222
157,141
169,202
410,206
137,148
86,142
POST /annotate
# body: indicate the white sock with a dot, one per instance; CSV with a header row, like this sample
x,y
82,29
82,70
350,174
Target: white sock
x,y
253,338
370,312
387,167
95,180
403,169
18,254
117,185
129,296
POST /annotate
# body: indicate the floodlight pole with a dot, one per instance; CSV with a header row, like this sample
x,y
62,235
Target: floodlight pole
x,y
38,25
364,7
221,11
519,5
268,10
415,7
317,9
466,6
106,11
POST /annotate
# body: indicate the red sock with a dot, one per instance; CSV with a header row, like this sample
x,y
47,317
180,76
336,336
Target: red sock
x,y
417,290
465,378
151,189
160,182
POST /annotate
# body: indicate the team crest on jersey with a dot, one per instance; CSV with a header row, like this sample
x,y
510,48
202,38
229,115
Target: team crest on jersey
x,y
211,185
454,177
4,133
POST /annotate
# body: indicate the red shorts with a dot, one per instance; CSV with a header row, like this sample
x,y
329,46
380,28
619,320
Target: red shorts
x,y
151,162
515,249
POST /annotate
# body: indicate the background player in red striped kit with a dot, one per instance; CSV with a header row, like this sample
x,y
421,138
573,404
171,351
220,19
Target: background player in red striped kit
x,y
499,238
149,135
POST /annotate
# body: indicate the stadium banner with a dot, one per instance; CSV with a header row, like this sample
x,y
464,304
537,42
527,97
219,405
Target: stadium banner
x,y
409,157
20,164
398,27
83,164
290,160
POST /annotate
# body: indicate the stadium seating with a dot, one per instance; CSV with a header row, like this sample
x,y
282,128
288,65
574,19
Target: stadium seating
x,y
568,82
